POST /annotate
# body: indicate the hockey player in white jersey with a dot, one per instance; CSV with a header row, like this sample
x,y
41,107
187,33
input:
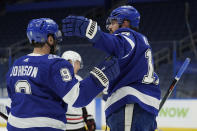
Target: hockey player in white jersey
x,y
77,117
41,85
133,98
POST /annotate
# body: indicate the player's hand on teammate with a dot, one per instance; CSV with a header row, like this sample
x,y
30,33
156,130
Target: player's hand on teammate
x,y
106,71
79,26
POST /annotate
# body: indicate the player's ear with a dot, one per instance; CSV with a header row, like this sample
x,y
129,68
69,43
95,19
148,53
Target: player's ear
x,y
50,39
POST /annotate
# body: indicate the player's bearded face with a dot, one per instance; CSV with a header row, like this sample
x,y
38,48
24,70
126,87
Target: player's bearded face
x,y
52,44
55,47
113,26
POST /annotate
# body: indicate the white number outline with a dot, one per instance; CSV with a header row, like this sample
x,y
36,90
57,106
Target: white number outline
x,y
23,85
65,73
149,77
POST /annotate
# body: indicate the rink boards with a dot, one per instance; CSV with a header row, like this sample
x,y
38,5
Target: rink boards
x,y
176,114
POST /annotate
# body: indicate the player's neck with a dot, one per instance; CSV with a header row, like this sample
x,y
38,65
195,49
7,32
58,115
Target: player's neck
x,y
44,50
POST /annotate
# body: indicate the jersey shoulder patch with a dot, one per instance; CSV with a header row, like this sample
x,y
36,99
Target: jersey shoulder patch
x,y
50,56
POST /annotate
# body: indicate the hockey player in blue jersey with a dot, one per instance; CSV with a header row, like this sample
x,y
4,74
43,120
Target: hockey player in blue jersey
x,y
133,98
41,85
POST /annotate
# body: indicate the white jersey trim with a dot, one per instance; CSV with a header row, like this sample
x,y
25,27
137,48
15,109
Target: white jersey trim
x,y
34,54
128,116
131,43
69,98
75,126
9,102
127,90
73,110
35,122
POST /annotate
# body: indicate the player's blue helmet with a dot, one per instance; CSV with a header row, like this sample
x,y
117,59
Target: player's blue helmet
x,y
39,29
122,13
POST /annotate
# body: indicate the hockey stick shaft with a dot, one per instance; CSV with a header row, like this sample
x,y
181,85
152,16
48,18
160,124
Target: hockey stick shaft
x,y
175,81
4,116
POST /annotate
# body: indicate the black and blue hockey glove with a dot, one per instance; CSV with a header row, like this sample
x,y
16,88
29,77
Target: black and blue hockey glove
x,y
105,72
80,26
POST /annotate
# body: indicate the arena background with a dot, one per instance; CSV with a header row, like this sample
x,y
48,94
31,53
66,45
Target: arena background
x,y
170,25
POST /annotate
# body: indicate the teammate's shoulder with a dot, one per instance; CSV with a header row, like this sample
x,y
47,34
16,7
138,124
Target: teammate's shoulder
x,y
128,32
54,58
125,32
140,34
57,61
143,38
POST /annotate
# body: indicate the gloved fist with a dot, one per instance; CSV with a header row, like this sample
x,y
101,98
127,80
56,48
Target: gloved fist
x,y
79,26
106,71
91,124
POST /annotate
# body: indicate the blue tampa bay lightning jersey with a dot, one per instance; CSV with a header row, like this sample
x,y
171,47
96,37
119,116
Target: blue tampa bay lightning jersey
x,y
41,87
137,82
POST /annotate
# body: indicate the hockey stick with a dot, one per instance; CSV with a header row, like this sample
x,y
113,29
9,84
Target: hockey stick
x,y
175,81
4,116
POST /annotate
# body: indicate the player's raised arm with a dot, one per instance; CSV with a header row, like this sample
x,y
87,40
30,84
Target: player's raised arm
x,y
80,94
113,43
83,27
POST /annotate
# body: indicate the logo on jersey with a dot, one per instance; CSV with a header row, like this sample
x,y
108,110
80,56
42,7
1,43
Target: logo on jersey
x,y
103,69
53,56
26,60
126,33
65,73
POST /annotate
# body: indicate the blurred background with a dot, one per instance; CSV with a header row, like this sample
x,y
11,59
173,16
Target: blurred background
x,y
170,26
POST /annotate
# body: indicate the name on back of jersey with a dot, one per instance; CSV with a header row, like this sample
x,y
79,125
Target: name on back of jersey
x,y
24,70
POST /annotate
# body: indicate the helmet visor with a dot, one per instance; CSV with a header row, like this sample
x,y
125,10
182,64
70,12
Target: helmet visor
x,y
110,19
58,36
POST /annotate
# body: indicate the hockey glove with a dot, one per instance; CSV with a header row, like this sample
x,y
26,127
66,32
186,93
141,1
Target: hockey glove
x,y
105,72
89,120
91,123
79,26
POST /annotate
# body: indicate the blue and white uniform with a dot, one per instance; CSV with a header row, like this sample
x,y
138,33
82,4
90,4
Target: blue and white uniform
x,y
133,97
40,88
137,82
